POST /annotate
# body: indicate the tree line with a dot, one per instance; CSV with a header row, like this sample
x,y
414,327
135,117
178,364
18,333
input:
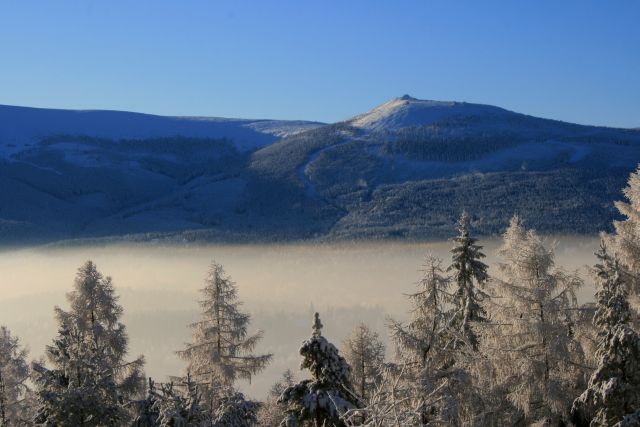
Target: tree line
x,y
480,348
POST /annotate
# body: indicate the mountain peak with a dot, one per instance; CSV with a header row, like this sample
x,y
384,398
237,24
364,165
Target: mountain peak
x,y
408,111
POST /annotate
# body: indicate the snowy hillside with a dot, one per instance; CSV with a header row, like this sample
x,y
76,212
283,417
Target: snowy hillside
x,y
406,169
282,128
21,127
405,112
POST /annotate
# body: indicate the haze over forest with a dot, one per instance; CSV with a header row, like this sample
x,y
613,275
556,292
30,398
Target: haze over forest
x,y
306,217
319,214
160,290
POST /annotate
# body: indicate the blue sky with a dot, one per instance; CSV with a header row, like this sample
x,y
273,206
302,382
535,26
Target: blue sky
x,y
323,60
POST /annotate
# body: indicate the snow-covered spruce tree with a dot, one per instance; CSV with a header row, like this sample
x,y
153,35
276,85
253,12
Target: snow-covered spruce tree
x,y
182,406
469,274
533,359
171,406
147,410
14,373
364,352
87,381
271,413
234,410
323,399
426,349
614,387
221,350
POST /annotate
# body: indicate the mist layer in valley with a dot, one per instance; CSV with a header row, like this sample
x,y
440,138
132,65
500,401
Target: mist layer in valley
x,y
281,286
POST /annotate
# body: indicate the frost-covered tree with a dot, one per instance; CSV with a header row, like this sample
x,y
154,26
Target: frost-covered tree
x,y
147,410
171,406
234,410
428,330
221,350
364,352
612,305
322,400
14,373
626,240
180,405
271,413
534,361
614,387
397,401
469,274
426,348
87,381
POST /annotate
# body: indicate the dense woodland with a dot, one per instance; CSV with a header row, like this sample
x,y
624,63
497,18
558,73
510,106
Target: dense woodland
x,y
506,345
334,182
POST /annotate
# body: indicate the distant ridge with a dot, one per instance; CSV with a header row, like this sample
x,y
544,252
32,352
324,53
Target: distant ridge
x,y
403,170
23,125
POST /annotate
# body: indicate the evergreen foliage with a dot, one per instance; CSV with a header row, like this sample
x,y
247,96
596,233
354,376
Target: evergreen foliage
x,y
364,352
171,406
469,273
327,396
221,350
87,381
14,374
430,351
626,238
535,360
614,387
271,413
233,410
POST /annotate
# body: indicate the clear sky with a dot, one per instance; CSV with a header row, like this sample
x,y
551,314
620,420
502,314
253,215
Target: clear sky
x,y
324,60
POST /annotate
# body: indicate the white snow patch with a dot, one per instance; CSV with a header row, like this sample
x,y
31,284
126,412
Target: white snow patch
x,y
408,112
283,128
22,127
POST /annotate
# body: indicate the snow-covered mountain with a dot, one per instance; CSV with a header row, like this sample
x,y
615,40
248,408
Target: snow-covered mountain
x,y
407,112
402,170
21,127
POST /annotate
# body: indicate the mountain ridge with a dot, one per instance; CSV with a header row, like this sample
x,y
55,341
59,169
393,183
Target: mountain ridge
x,y
404,169
23,125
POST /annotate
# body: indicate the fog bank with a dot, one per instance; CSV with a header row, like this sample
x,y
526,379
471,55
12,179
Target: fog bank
x,y
281,286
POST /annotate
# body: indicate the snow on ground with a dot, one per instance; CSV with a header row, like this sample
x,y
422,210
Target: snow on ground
x,y
408,112
283,128
22,127
534,156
